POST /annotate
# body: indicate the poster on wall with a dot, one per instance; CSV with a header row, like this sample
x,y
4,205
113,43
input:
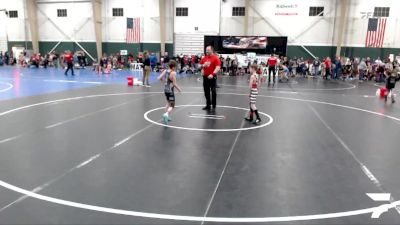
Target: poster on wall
x,y
244,42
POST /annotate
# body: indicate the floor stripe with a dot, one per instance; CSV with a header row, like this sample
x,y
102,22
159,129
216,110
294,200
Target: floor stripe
x,y
205,117
222,173
89,114
84,163
73,81
9,86
10,139
364,168
196,218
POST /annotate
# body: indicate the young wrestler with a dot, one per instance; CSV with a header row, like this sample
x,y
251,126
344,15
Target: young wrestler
x,y
254,82
169,78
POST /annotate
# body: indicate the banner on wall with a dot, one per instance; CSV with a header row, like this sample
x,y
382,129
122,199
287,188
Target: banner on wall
x,y
286,10
244,42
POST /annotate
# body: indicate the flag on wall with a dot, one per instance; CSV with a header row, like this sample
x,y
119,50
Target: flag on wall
x,y
132,30
375,32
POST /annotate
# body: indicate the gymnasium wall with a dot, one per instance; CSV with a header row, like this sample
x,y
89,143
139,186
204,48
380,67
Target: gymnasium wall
x,y
291,18
78,26
203,14
266,17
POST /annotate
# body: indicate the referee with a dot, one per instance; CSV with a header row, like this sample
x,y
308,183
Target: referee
x,y
211,65
272,61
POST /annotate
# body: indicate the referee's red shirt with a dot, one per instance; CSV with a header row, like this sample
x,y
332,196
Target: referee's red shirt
x,y
68,57
214,62
272,61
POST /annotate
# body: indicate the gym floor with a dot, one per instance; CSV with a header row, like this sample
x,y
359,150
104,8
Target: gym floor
x,y
92,150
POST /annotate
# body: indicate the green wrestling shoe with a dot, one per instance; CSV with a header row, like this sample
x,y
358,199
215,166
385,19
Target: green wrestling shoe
x,y
165,119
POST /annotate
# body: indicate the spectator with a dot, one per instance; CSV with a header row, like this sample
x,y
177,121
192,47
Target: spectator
x,y
328,67
316,65
153,61
362,69
165,60
146,69
338,67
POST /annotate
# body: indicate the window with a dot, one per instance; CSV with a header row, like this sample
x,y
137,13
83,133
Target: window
x,y
381,11
238,11
316,11
118,12
182,11
13,14
61,13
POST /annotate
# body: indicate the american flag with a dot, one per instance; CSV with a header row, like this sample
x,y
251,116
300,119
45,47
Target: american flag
x,y
375,32
132,30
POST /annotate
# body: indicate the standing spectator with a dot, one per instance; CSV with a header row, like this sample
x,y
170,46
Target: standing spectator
x,y
165,60
1,58
338,67
369,70
130,58
45,60
290,67
354,68
146,69
153,61
388,67
328,67
69,60
6,58
316,65
56,60
323,69
228,64
362,69
223,63
197,61
380,70
104,61
211,66
234,66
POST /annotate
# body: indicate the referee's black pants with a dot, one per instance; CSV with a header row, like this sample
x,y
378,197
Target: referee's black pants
x,y
271,69
210,87
70,66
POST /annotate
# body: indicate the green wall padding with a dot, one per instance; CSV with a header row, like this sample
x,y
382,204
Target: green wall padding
x,y
46,46
324,51
292,50
318,51
24,44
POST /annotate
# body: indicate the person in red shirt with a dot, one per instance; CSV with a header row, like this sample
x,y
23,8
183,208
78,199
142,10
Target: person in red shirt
x,y
193,62
68,57
210,65
328,65
272,61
